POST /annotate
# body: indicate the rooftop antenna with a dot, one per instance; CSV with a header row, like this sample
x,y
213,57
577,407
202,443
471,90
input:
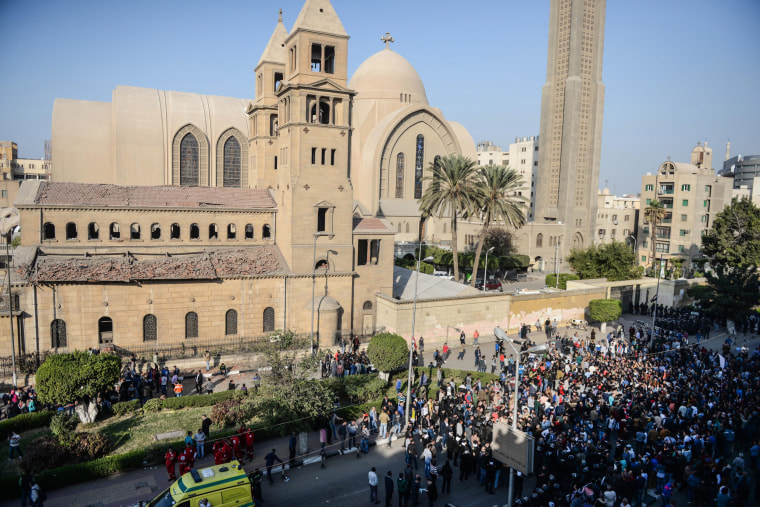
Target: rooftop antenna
x,y
728,149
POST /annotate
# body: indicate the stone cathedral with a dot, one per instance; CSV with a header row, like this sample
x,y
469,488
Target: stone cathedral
x,y
175,215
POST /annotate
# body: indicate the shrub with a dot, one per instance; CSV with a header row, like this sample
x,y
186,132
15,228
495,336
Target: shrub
x,y
551,279
226,412
89,446
126,407
514,261
604,310
24,422
205,400
62,425
153,405
45,453
388,351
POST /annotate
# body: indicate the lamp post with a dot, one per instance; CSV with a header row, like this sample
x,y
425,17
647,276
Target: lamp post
x,y
314,283
635,243
485,272
9,220
556,262
414,317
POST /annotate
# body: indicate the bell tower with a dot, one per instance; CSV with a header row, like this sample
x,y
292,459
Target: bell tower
x,y
313,190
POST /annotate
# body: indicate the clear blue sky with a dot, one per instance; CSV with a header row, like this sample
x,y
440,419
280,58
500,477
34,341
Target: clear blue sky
x,y
676,71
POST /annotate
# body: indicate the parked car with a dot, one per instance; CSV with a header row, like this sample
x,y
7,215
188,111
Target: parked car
x,y
491,284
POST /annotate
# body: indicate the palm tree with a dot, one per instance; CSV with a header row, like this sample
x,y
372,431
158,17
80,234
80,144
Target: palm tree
x,y
654,213
453,189
500,203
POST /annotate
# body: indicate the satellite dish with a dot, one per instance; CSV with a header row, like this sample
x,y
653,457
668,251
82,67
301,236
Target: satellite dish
x,y
499,333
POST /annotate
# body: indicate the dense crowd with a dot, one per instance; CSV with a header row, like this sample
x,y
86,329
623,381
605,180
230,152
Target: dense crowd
x,y
613,419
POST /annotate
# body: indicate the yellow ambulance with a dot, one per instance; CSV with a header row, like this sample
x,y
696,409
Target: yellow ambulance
x,y
224,485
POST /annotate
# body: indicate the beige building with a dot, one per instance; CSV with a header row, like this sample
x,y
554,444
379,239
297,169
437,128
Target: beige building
x,y
572,106
14,170
617,218
692,195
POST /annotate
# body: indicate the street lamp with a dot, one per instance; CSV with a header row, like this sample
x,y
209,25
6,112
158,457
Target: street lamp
x,y
9,220
485,273
414,317
556,263
499,333
314,282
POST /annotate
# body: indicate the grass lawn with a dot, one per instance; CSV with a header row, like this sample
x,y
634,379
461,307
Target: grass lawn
x,y
131,432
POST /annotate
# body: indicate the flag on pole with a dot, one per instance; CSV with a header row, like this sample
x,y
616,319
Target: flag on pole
x,y
722,362
654,298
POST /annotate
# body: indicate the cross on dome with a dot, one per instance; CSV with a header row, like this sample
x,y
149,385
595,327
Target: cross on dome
x,y
387,39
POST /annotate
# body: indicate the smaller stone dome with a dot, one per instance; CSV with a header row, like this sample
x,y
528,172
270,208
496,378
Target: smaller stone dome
x,y
388,75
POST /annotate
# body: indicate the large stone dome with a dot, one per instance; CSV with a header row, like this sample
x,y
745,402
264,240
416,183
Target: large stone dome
x,y
388,75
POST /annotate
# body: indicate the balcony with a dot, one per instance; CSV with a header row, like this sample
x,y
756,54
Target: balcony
x,y
667,221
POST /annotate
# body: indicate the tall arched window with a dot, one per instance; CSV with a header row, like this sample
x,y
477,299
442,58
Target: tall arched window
x,y
191,325
195,231
400,176
105,330
155,231
134,231
419,162
231,163
93,231
189,161
266,232
150,328
71,230
48,231
230,323
58,334
248,231
539,240
268,319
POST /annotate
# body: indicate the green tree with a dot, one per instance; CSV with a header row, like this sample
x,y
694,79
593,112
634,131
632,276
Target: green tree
x,y
614,261
734,238
63,378
732,291
388,351
551,280
452,190
501,240
604,310
499,202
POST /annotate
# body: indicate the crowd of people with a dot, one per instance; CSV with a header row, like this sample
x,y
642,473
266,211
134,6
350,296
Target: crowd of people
x,y
614,419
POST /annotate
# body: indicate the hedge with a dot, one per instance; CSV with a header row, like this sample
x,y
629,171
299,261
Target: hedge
x,y
126,407
81,472
551,279
24,422
604,310
194,401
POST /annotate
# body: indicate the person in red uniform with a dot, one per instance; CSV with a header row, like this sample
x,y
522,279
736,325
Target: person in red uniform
x,y
170,458
236,447
190,452
227,451
182,460
249,443
218,453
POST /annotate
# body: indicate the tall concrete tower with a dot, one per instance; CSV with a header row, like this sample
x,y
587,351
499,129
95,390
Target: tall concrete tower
x,y
572,105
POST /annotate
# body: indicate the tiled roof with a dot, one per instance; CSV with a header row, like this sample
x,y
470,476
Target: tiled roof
x,y
80,194
211,265
371,225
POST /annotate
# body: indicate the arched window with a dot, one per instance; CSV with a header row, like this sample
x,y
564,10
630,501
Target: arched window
x,y
400,176
268,319
174,231
230,323
93,231
323,115
367,305
266,232
445,227
48,231
58,337
150,328
195,231
407,227
189,161
231,231
539,240
191,325
71,230
248,231
419,163
231,169
399,227
114,232
213,231
105,330
155,231
134,231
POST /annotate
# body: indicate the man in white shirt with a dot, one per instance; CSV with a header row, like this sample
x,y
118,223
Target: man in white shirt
x,y
372,477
